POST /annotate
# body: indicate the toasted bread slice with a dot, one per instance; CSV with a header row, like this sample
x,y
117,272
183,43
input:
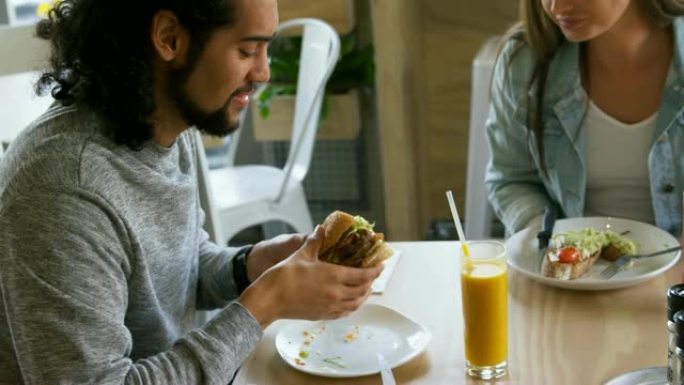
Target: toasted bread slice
x,y
567,271
336,224
380,252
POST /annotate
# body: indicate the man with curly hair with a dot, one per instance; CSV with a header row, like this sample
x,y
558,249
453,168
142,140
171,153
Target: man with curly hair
x,y
104,260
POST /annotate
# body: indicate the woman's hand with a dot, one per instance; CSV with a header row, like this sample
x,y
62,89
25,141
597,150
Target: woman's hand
x,y
302,287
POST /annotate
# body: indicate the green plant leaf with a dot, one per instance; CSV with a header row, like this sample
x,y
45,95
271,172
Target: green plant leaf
x,y
269,93
355,68
347,44
325,107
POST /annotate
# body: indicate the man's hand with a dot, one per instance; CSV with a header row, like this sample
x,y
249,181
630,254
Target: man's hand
x,y
267,253
302,287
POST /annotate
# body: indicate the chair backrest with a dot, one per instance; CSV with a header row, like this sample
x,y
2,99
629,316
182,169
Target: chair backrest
x,y
319,54
479,214
22,56
233,141
212,224
21,51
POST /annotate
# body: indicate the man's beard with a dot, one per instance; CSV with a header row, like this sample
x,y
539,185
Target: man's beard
x,y
216,123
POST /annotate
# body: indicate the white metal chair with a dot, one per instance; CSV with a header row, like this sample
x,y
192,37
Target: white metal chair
x,y
211,222
249,195
479,213
207,200
22,56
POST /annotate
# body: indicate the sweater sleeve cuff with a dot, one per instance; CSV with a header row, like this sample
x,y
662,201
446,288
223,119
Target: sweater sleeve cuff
x,y
225,342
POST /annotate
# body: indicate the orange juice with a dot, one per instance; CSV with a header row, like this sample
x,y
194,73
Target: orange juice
x,y
485,309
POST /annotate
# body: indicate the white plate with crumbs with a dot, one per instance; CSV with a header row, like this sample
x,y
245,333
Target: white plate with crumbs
x,y
348,347
647,376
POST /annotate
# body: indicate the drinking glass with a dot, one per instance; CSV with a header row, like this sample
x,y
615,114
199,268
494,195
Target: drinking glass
x,y
484,295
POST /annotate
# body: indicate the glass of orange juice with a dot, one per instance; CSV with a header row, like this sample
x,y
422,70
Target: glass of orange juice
x,y
484,295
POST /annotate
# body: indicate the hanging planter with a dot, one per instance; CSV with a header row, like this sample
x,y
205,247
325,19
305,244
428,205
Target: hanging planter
x,y
340,116
341,123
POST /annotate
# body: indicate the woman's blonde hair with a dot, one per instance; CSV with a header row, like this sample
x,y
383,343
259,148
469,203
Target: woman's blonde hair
x,y
543,37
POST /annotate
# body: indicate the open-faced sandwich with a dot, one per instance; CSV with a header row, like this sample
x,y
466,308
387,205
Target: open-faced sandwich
x,y
350,241
617,246
571,254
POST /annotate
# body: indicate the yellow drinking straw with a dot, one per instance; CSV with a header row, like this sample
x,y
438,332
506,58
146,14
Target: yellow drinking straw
x,y
459,229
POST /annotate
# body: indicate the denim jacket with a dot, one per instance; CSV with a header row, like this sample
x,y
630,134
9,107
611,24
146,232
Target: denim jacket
x,y
518,190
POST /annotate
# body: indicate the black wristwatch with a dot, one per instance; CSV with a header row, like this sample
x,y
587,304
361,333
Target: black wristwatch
x,y
240,268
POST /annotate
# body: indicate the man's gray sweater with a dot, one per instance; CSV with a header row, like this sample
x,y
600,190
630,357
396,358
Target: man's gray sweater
x,y
103,263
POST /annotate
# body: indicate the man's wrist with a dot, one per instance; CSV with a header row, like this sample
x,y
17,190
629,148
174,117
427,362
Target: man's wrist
x,y
240,268
256,299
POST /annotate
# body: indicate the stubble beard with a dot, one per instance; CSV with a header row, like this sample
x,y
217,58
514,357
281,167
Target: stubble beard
x,y
216,123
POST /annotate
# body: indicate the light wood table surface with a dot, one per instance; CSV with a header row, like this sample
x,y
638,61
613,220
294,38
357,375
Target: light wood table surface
x,y
556,336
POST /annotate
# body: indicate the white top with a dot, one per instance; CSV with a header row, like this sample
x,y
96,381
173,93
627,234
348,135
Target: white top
x,y
617,166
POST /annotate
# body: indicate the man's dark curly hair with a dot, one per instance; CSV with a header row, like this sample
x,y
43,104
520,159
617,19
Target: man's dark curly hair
x,y
102,56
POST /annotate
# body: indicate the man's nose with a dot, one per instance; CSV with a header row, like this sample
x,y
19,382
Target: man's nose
x,y
261,72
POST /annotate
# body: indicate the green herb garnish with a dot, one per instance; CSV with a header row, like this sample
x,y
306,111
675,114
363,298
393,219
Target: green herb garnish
x,y
361,223
333,361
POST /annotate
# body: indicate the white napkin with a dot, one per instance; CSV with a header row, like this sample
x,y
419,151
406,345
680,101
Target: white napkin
x,y
381,282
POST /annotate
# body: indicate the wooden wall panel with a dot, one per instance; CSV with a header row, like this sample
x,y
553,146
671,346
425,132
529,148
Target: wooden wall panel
x,y
453,33
447,116
338,13
395,26
424,51
449,34
470,15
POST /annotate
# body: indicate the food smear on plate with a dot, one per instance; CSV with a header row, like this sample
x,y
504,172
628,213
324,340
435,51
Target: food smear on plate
x,y
335,361
309,336
346,335
353,335
572,253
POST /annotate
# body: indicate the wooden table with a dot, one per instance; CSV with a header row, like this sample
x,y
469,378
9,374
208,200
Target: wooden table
x,y
556,336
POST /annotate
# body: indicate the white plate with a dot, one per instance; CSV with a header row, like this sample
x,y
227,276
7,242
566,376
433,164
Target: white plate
x,y
646,376
348,347
523,254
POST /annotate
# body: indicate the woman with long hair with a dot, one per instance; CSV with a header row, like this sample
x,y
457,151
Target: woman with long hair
x,y
587,112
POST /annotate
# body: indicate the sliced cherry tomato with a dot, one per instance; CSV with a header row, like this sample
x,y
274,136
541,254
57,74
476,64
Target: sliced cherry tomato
x,y
568,255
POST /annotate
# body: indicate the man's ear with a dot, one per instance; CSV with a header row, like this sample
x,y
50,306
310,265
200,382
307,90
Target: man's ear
x,y
168,36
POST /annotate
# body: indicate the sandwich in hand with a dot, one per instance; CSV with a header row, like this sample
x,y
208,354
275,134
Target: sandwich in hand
x,y
350,241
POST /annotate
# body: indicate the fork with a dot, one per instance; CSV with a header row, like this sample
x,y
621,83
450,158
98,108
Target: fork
x,y
385,371
619,263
